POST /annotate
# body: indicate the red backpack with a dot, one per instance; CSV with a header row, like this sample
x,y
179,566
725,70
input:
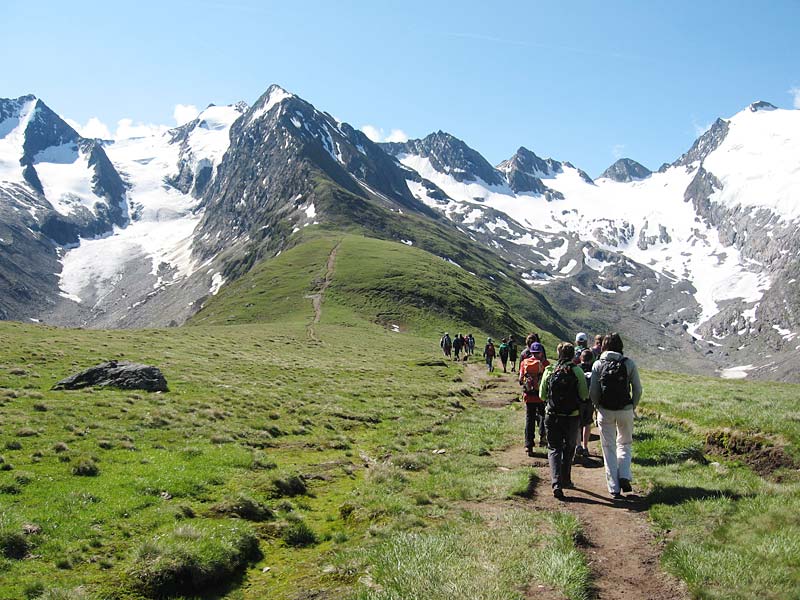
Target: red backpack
x,y
531,375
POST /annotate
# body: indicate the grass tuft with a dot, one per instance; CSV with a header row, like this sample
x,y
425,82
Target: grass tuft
x,y
188,559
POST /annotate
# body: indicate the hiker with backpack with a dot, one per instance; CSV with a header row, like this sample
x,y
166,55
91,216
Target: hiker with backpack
x,y
615,392
586,409
512,353
581,344
562,389
526,353
530,375
504,354
489,354
470,344
458,343
446,343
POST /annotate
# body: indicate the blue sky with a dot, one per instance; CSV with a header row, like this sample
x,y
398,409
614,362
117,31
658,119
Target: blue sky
x,y
587,82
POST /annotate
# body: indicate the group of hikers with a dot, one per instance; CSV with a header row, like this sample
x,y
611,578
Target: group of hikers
x,y
453,347
563,398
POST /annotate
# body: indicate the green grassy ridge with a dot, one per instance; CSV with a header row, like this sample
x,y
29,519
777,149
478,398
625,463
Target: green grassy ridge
x,y
377,280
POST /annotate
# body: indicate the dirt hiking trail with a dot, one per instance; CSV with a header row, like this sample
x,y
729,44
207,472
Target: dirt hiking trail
x,y
621,550
321,286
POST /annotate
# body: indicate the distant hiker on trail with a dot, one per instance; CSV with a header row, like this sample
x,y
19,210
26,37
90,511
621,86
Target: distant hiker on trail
x,y
586,409
458,343
581,344
471,344
563,387
530,376
512,353
504,354
489,354
446,343
615,392
598,343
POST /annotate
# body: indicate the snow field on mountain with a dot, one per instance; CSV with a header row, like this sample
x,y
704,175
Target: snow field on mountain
x,y
614,215
12,137
209,140
758,163
66,178
161,233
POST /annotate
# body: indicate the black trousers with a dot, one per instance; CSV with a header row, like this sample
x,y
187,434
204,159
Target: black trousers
x,y
561,435
534,419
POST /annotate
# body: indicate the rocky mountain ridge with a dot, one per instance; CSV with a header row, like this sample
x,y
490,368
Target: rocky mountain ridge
x,y
679,256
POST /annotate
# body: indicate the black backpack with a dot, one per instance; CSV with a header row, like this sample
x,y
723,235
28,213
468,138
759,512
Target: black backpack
x,y
615,392
562,389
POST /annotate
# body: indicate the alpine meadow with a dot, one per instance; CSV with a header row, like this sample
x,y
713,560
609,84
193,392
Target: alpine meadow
x,y
236,360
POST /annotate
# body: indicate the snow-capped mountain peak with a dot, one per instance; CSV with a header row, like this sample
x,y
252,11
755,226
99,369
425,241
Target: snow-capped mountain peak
x,y
274,95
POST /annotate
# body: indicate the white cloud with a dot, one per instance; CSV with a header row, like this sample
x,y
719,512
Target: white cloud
x,y
617,150
397,135
94,128
377,134
700,129
184,113
372,133
126,129
795,92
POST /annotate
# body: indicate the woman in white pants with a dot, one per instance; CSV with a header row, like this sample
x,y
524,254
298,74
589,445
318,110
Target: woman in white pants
x,y
615,392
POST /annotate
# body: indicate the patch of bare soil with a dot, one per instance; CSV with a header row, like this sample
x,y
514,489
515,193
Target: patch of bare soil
x,y
621,549
758,453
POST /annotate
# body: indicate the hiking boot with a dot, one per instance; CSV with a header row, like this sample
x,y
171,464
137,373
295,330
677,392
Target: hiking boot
x,y
529,450
625,485
558,493
617,496
569,485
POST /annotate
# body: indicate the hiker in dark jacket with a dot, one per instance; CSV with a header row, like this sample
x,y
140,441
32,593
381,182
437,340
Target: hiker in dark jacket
x,y
504,354
563,387
615,392
489,354
471,344
458,343
512,353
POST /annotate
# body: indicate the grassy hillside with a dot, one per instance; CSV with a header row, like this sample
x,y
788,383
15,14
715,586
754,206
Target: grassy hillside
x,y
267,451
383,282
349,471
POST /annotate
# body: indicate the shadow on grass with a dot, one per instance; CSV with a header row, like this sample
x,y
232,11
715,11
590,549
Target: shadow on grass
x,y
672,495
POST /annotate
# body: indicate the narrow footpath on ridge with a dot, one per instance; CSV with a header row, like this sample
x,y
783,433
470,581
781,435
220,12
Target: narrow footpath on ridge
x,y
321,286
621,550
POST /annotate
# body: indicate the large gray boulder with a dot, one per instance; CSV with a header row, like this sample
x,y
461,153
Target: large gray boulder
x,y
124,375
